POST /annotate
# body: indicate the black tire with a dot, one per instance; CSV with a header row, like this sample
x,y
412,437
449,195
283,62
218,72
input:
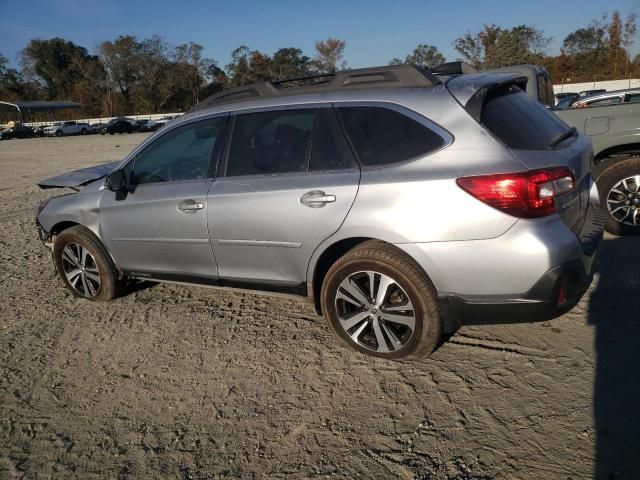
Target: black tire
x,y
611,177
385,259
58,133
109,285
83,131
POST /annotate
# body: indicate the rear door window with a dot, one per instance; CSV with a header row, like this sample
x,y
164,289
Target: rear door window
x,y
329,148
519,121
270,142
382,136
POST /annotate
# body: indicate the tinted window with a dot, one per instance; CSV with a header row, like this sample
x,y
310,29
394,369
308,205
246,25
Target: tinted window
x,y
329,148
633,98
382,136
519,121
181,154
270,142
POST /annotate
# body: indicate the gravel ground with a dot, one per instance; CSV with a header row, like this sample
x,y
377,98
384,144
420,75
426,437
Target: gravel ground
x,y
188,382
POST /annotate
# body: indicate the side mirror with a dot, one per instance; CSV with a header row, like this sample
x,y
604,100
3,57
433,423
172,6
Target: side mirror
x,y
116,182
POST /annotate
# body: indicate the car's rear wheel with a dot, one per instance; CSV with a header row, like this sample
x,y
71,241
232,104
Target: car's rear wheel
x,y
619,187
378,301
84,265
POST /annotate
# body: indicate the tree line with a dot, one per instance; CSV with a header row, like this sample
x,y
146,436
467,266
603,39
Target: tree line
x,y
135,76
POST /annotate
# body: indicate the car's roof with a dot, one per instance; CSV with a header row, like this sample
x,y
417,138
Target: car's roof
x,y
611,93
390,76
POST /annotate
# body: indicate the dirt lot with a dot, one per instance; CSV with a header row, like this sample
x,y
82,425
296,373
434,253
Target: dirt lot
x,y
172,381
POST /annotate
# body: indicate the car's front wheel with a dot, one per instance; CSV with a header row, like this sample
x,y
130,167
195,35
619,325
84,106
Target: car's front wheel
x,y
58,133
378,301
619,188
84,265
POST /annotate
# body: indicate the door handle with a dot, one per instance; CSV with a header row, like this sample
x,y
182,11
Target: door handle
x,y
190,206
316,199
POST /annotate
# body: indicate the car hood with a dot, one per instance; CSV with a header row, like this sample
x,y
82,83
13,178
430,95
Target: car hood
x,y
79,178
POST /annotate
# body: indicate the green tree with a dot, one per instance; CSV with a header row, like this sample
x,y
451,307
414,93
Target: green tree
x,y
588,47
629,30
329,55
54,62
238,71
289,63
422,55
494,47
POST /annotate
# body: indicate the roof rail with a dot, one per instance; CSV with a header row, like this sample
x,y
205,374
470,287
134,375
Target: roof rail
x,y
454,68
405,76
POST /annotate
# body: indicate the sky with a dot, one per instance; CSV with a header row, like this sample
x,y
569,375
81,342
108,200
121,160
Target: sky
x,y
375,31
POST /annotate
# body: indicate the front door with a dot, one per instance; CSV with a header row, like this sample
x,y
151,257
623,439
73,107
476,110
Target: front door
x,y
158,228
289,182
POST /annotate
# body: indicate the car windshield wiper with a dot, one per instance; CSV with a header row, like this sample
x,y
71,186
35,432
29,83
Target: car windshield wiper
x,y
563,136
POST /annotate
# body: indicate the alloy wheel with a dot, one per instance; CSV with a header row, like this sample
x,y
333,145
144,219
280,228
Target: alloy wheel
x,y
81,270
375,312
623,201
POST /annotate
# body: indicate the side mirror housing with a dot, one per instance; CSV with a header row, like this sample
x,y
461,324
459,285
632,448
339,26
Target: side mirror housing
x,y
116,181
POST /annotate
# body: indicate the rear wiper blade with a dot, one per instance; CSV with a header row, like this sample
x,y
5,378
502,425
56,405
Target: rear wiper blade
x,y
563,136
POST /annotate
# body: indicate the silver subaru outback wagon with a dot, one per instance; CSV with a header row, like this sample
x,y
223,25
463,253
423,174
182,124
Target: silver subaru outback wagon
x,y
400,205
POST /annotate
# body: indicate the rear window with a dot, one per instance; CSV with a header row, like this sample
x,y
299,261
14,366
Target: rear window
x,y
520,121
382,136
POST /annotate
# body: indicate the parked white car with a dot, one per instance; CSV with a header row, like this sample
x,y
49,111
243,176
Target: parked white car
x,y
67,128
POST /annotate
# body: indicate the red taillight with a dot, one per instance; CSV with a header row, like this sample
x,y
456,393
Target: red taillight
x,y
522,194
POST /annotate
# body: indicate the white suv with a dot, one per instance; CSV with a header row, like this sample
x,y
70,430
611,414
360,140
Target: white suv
x,y
67,128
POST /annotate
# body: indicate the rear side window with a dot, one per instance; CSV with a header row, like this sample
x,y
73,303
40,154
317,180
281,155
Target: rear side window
x,y
382,136
520,121
270,142
329,148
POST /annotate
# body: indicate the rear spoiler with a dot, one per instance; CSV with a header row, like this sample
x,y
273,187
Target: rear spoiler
x,y
471,90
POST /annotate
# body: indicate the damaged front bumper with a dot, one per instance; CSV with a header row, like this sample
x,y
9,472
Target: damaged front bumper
x,y
45,237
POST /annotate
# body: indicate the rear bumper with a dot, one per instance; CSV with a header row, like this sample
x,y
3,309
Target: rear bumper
x,y
557,292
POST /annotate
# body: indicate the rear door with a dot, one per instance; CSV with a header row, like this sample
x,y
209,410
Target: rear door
x,y
288,183
158,228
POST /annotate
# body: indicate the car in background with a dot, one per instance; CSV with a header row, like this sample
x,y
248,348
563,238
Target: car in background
x,y
16,131
565,102
39,130
564,97
117,125
588,93
609,98
164,120
145,125
70,127
95,127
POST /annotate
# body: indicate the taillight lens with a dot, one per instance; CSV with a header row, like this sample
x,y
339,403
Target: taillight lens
x,y
523,194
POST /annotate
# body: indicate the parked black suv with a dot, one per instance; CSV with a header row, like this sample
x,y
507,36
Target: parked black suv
x,y
117,125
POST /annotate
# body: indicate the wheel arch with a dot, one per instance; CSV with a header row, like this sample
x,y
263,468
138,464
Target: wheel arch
x,y
59,227
608,156
324,261
328,256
